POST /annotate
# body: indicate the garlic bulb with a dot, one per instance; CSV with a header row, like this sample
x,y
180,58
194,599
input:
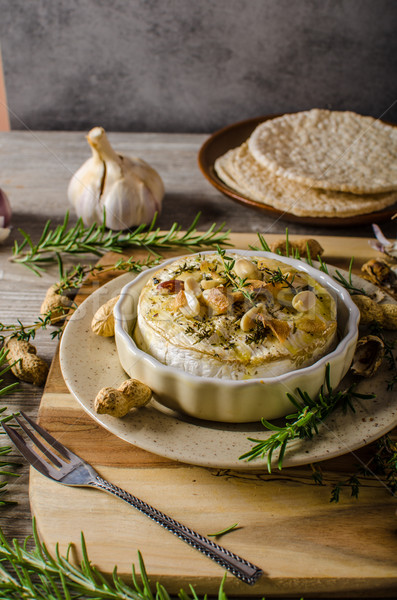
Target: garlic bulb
x,y
128,189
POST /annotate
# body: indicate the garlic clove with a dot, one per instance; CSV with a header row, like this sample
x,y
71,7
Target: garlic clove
x,y
85,189
55,305
246,269
192,306
248,319
116,208
304,301
87,208
192,285
99,142
147,174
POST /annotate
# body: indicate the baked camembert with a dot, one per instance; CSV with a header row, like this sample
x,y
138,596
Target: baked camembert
x,y
235,316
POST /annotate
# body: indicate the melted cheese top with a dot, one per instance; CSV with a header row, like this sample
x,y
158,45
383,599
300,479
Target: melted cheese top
x,y
221,315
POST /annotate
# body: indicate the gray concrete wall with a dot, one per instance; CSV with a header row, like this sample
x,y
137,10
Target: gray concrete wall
x,y
194,65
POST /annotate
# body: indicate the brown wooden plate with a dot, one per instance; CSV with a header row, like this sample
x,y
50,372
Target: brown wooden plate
x,y
234,135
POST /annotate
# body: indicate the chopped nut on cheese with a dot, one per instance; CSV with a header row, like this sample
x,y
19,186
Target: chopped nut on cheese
x,y
216,299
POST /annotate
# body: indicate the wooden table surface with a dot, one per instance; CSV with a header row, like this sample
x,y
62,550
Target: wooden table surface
x,y
35,168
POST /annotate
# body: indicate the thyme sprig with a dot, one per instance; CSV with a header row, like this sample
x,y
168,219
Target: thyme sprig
x,y
277,276
97,240
36,575
352,482
382,465
76,275
71,280
304,423
238,284
28,332
384,462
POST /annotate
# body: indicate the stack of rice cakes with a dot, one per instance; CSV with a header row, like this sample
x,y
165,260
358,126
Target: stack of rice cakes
x,y
316,163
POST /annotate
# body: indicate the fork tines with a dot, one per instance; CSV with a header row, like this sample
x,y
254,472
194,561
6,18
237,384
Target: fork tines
x,y
53,463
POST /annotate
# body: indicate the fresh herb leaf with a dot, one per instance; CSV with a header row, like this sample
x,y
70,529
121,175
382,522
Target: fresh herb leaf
x,y
77,274
28,332
36,575
223,531
348,283
304,423
257,334
238,284
277,276
97,240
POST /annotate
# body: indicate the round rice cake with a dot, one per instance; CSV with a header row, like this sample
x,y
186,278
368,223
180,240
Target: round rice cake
x,y
239,170
222,169
332,150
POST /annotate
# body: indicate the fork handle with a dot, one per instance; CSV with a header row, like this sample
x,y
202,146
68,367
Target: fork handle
x,y
239,567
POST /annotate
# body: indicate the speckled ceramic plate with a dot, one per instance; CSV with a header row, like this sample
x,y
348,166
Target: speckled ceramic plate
x,y
89,362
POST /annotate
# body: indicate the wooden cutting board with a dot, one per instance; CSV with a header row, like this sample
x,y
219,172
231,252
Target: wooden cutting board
x,y
305,545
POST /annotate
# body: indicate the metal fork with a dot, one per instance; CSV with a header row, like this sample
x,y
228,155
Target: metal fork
x,y
69,469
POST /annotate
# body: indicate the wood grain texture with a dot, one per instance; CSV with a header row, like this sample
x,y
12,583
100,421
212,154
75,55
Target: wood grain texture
x,y
35,170
36,167
4,115
305,544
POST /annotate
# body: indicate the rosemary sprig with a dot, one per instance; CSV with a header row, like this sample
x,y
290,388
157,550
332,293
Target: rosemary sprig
x,y
5,466
290,250
263,245
346,283
384,462
304,422
223,531
36,575
97,240
339,277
